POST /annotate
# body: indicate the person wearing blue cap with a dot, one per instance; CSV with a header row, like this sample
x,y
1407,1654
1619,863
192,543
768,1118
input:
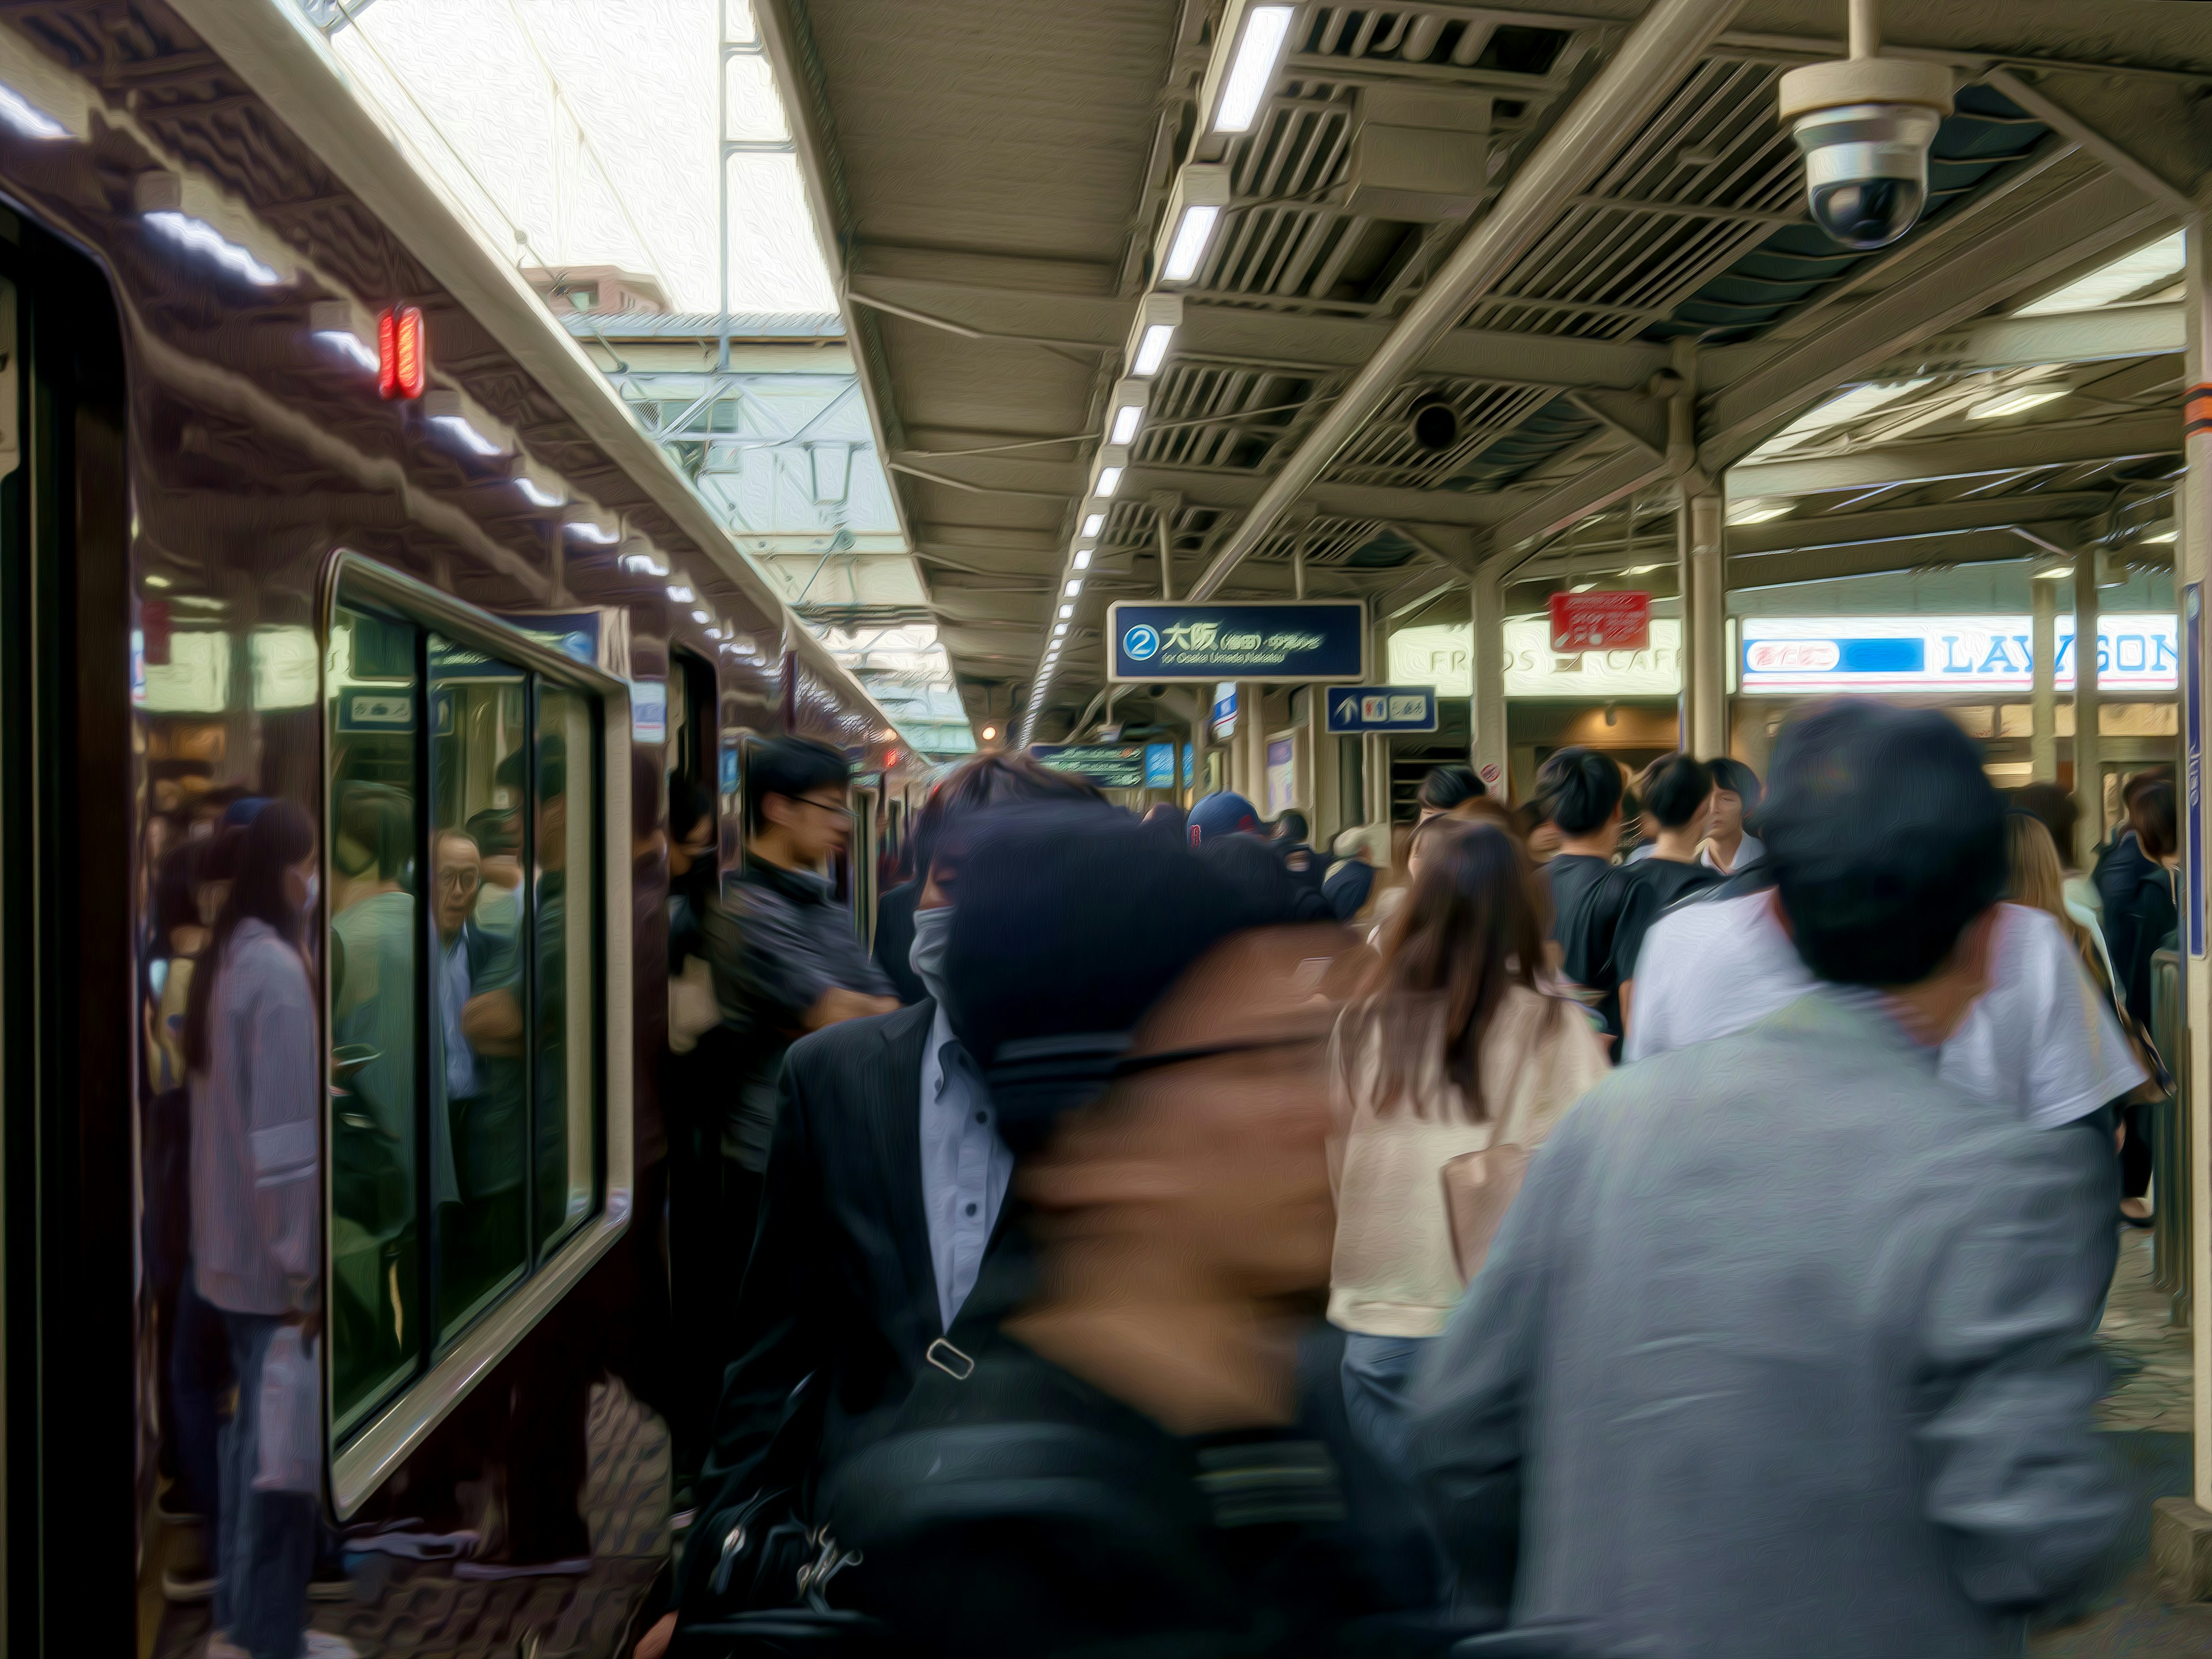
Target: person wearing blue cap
x,y
1225,812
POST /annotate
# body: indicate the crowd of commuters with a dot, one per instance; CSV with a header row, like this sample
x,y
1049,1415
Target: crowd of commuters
x,y
1670,1217
1672,1220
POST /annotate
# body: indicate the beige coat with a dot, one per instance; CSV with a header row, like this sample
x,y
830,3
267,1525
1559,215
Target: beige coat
x,y
1393,1273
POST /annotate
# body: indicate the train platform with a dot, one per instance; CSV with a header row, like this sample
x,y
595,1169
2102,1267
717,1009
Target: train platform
x,y
404,1608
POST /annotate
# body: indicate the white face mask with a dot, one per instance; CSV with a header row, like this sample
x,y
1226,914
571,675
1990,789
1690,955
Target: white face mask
x,y
933,933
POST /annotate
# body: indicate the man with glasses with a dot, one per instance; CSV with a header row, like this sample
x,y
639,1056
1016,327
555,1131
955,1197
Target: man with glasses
x,y
480,1032
787,960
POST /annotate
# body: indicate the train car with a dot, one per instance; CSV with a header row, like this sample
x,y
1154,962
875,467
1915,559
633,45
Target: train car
x,y
304,498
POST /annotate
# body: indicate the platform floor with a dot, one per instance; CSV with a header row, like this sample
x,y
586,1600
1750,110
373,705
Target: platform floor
x,y
2146,1414
409,1608
406,1609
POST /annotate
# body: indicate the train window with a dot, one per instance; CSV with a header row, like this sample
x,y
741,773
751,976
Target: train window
x,y
479,1130
375,1142
467,989
565,1063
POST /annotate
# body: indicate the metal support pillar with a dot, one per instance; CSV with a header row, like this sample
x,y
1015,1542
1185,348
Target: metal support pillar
x,y
2088,748
2043,645
1252,738
1487,745
1705,625
2192,561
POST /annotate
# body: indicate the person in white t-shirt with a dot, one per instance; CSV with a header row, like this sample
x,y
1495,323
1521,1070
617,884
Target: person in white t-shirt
x,y
2041,1041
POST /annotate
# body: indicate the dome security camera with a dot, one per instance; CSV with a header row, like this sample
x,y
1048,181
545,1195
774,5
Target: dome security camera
x,y
1864,125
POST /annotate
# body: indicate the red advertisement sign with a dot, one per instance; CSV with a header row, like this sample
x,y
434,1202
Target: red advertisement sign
x,y
1600,621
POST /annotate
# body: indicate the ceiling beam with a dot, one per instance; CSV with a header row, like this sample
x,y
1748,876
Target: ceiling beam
x,y
2034,241
987,312
2114,334
1873,559
2005,449
1932,528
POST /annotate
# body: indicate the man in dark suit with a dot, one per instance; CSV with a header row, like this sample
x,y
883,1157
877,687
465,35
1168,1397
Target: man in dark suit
x,y
884,1185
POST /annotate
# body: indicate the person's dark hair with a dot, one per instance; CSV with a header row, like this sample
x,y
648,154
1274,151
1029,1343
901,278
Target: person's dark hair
x,y
790,767
280,835
689,805
1674,789
1578,788
2060,812
1446,787
496,831
1292,826
374,826
1050,966
983,782
1738,780
2152,816
1885,839
1471,928
2138,782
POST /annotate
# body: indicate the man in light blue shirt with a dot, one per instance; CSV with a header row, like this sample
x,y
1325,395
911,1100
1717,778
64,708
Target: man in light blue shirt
x,y
965,1166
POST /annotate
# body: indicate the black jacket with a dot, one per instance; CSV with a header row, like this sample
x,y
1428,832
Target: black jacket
x,y
894,939
839,1286
1021,1513
776,941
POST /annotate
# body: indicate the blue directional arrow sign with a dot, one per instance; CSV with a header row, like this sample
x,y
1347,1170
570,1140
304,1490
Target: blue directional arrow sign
x,y
1381,709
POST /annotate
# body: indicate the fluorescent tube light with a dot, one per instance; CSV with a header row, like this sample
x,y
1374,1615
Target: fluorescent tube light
x,y
1094,523
1109,480
1253,70
1188,247
1075,583
457,426
584,531
1152,350
1066,611
202,237
536,495
1082,558
1124,427
20,116
682,594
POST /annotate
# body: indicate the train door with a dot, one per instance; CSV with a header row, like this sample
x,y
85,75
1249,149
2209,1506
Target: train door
x,y
67,1230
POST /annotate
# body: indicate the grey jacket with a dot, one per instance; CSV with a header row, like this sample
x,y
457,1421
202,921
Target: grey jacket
x,y
776,940
257,1203
1783,1349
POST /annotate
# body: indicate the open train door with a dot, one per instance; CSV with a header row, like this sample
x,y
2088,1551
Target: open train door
x,y
67,1224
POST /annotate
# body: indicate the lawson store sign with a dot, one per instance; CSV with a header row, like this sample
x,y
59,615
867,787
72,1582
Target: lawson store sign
x,y
1834,654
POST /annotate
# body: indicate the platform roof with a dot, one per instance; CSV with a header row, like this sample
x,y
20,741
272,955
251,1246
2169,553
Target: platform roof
x,y
992,182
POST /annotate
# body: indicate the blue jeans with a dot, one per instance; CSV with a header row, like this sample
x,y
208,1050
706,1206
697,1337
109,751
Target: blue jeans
x,y
1378,1376
266,1547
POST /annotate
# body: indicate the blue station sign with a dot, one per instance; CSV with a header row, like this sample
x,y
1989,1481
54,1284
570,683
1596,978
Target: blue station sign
x,y
1354,709
1293,640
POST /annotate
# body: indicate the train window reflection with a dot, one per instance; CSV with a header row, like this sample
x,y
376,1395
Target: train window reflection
x,y
566,1133
374,1140
463,985
479,785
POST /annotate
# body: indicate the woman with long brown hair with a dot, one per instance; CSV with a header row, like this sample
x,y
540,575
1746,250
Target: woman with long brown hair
x,y
1451,1049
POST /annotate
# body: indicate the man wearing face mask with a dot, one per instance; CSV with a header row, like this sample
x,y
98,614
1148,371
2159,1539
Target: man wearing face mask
x,y
887,1156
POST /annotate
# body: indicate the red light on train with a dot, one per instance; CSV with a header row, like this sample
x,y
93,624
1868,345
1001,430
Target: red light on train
x,y
402,364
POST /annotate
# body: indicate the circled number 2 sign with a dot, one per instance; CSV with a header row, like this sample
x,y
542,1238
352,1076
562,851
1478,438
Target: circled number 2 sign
x,y
1600,621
